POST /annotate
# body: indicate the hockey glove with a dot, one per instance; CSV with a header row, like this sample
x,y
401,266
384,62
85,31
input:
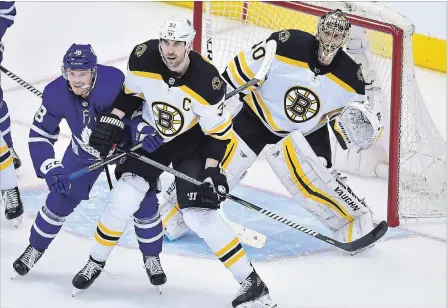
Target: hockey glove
x,y
143,132
56,177
214,187
106,133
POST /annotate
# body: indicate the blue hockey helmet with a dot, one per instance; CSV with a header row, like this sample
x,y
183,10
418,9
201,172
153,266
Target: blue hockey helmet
x,y
79,57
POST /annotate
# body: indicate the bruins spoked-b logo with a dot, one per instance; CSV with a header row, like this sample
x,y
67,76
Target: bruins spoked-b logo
x,y
169,120
301,104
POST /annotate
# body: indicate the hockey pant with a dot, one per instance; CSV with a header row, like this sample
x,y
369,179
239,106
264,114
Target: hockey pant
x,y
52,215
321,191
131,196
8,175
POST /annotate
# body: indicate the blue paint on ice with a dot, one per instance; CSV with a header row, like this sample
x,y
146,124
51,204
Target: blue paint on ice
x,y
282,241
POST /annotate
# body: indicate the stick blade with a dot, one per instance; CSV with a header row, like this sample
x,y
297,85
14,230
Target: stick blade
x,y
376,234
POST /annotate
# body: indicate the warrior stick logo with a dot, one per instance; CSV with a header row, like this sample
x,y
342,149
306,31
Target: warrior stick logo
x,y
301,104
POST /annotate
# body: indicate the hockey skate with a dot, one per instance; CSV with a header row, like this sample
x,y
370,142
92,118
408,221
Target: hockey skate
x,y
13,205
26,261
85,277
154,271
15,159
253,293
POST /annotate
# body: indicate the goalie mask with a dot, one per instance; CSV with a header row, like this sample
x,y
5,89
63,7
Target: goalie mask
x,y
172,32
333,31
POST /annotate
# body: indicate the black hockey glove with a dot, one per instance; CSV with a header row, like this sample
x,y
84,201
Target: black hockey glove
x,y
215,186
106,133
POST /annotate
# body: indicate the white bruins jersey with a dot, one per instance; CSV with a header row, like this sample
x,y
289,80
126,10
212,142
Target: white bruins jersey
x,y
298,92
174,105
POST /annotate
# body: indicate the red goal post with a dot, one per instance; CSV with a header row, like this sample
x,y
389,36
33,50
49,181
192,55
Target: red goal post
x,y
273,16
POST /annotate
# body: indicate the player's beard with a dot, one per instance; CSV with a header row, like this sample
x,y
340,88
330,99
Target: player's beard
x,y
180,68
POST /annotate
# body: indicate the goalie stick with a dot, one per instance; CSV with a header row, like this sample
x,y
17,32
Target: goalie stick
x,y
360,243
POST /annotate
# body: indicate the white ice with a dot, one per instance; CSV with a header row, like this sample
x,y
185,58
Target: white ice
x,y
399,273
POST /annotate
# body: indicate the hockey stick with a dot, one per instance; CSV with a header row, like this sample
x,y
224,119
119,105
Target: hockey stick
x,y
360,243
100,164
20,81
36,92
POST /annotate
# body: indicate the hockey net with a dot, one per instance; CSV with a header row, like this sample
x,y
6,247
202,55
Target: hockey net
x,y
416,158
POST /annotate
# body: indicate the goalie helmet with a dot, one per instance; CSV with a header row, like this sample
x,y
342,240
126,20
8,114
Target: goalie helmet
x,y
333,31
177,29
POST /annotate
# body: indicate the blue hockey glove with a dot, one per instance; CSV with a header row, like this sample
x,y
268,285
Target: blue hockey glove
x,y
143,132
56,177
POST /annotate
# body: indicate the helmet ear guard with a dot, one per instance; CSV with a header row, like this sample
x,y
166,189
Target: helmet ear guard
x,y
332,33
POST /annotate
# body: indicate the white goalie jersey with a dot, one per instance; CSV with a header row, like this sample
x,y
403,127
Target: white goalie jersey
x,y
175,105
298,92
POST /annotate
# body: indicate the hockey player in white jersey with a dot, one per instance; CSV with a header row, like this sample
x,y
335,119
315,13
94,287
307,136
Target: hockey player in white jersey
x,y
183,122
311,81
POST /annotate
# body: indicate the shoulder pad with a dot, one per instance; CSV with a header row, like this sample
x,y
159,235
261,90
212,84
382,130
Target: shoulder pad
x,y
347,70
294,44
204,79
145,57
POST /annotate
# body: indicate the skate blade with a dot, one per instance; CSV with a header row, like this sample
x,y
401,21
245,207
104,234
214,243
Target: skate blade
x,y
17,221
262,302
14,275
76,292
160,290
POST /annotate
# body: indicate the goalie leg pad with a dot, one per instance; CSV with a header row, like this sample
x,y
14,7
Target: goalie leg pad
x,y
355,229
317,189
220,238
124,201
237,159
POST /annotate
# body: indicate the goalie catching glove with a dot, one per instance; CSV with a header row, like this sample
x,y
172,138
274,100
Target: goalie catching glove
x,y
357,126
214,187
106,133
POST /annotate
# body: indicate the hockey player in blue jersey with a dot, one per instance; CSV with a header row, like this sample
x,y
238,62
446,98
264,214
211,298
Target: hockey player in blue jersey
x,y
84,90
9,161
